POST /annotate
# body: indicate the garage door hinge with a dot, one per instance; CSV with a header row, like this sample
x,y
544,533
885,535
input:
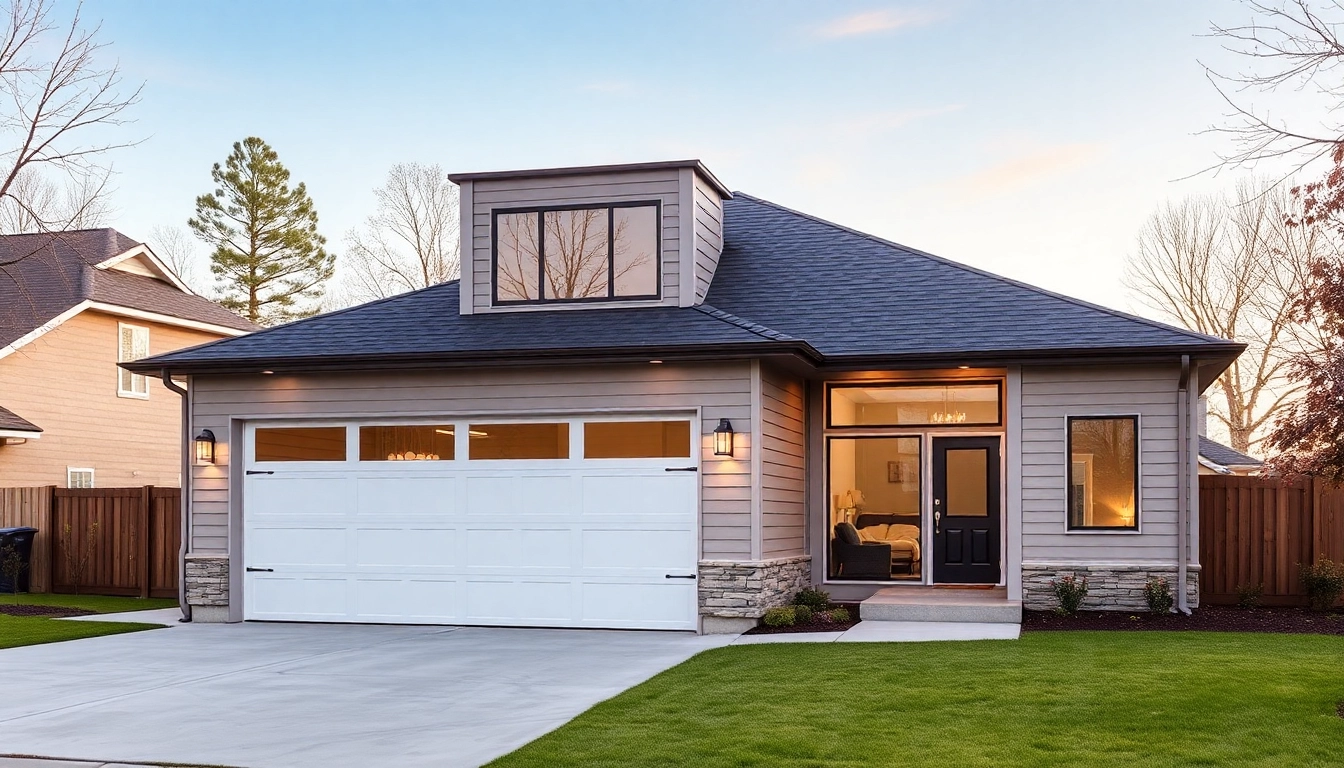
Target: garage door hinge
x,y
260,472
675,576
680,469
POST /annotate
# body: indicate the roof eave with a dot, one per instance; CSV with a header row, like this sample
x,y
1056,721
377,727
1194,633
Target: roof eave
x,y
577,170
988,358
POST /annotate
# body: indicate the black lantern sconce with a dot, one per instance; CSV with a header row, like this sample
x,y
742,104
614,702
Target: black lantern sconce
x,y
723,438
205,447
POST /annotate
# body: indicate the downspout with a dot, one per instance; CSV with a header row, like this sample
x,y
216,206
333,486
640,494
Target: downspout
x,y
1183,482
186,496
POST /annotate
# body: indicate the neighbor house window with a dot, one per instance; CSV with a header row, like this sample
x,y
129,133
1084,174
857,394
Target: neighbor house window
x,y
132,344
577,254
911,405
407,443
79,477
299,444
519,441
1103,472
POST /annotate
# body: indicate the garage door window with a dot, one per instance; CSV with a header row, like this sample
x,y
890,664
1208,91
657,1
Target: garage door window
x,y
636,439
520,441
300,444
433,442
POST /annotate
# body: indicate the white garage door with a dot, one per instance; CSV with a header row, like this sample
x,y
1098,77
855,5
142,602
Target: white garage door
x,y
561,523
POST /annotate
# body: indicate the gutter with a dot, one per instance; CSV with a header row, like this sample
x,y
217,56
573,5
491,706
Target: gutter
x,y
185,501
1183,483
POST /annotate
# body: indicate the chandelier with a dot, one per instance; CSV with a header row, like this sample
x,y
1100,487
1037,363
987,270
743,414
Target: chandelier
x,y
949,417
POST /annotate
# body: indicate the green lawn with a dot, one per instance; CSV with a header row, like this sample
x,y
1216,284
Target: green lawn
x,y
1123,699
31,630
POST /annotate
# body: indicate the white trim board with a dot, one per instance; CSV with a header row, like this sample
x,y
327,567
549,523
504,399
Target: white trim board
x,y
143,250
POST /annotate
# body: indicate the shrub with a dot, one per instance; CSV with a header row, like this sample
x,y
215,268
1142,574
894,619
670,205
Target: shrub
x,y
1324,582
838,615
1158,594
815,599
779,617
802,614
1070,591
1248,595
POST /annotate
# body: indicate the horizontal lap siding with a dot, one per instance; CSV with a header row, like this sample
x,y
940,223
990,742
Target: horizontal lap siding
x,y
708,235
488,195
720,390
1051,394
783,470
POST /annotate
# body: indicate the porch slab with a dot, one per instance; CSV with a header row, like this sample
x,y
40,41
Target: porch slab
x,y
928,631
924,604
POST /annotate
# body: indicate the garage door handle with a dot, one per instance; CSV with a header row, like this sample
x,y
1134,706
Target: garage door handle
x,y
680,469
261,570
674,576
260,472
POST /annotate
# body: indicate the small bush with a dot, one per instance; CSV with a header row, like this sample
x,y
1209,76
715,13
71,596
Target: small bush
x,y
1248,595
1324,582
1070,591
1158,594
838,615
779,617
802,614
815,599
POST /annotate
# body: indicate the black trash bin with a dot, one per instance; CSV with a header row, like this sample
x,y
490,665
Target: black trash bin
x,y
21,539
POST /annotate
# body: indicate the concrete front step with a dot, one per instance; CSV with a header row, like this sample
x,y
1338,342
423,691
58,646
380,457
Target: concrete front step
x,y
978,606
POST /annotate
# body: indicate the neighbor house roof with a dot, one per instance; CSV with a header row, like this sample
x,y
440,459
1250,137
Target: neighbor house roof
x,y
1222,454
12,422
785,282
45,276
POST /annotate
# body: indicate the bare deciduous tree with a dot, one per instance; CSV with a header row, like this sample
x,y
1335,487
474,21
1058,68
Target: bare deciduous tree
x,y
54,132
177,248
1233,269
411,241
1291,46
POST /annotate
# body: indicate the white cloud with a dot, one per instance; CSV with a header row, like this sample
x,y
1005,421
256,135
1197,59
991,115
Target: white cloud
x,y
873,22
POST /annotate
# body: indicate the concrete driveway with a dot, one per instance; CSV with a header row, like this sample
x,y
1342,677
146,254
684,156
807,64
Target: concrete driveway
x,y
294,695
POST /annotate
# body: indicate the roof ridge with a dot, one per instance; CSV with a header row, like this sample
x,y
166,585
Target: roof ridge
x,y
978,271
743,323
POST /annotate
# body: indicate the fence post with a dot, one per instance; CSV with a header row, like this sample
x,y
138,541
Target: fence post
x,y
146,498
49,525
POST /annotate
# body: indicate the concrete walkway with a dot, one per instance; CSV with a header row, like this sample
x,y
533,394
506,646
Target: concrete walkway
x,y
896,632
166,616
296,695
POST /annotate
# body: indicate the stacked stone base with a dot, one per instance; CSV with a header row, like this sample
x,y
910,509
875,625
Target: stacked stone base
x,y
1109,587
207,578
733,595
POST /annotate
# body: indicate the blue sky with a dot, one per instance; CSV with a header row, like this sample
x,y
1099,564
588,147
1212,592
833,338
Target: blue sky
x,y
1028,138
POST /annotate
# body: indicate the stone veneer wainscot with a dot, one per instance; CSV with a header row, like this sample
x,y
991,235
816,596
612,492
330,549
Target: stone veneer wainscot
x,y
745,590
1109,587
207,580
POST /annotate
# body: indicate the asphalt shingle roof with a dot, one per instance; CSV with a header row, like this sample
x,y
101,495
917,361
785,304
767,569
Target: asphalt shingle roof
x,y
784,279
1222,454
11,420
43,275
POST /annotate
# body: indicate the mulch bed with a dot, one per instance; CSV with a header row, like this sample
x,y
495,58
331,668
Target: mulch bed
x,y
1214,618
812,626
49,611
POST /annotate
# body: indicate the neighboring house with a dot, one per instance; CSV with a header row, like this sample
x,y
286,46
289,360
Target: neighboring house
x,y
72,306
652,403
1218,459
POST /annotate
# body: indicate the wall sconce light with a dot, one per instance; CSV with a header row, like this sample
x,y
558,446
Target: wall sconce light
x,y
205,447
723,438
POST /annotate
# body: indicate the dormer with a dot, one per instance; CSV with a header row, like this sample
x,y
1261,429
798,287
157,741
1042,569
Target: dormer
x,y
644,234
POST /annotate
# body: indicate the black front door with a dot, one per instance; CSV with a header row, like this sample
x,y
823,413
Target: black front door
x,y
966,510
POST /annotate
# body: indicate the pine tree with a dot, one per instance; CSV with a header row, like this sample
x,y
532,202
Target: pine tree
x,y
268,254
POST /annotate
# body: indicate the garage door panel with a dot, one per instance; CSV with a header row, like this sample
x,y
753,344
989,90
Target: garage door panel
x,y
285,494
519,548
405,600
638,496
297,598
660,549
663,606
515,600
408,496
516,495
308,546
405,548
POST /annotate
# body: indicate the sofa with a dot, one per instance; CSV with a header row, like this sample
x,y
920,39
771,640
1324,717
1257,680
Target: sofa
x,y
897,532
858,559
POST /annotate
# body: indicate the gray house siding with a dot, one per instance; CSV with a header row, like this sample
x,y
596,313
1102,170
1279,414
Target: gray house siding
x,y
718,390
629,186
783,465
708,235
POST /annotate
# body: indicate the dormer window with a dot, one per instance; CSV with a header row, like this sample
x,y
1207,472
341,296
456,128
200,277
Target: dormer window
x,y
577,253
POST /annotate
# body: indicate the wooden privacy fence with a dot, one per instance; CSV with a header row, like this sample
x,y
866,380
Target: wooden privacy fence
x,y
100,541
1255,530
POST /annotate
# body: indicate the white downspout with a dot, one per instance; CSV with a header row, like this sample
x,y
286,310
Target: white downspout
x,y
186,496
1183,483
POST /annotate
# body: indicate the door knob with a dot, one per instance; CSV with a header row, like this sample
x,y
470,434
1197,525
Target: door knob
x,y
937,516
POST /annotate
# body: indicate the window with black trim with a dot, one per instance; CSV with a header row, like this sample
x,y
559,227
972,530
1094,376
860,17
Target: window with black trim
x,y
1103,473
577,253
922,404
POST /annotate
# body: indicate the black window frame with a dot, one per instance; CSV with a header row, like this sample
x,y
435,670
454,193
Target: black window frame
x,y
998,384
541,212
1068,473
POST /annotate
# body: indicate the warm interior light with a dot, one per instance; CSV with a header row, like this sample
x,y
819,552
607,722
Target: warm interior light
x,y
477,433
444,431
205,447
723,438
964,367
656,362
268,373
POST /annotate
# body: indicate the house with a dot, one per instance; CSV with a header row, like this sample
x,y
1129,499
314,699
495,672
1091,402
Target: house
x,y
72,306
1218,459
653,403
